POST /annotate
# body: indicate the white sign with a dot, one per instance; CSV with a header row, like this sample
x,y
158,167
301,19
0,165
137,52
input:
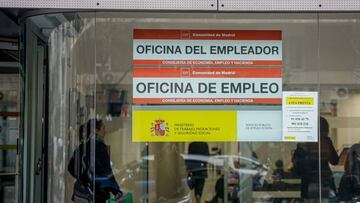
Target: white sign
x,y
300,116
207,49
254,128
207,66
207,85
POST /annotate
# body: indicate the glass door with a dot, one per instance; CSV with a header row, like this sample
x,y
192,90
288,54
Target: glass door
x,y
9,131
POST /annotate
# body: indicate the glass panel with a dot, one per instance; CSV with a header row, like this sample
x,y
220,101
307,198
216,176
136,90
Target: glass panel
x,y
9,129
231,171
7,189
339,83
9,109
71,102
276,175
238,171
8,160
9,92
126,163
90,79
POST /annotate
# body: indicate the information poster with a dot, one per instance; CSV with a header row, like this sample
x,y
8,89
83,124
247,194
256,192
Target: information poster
x,y
206,125
300,116
178,72
207,66
184,126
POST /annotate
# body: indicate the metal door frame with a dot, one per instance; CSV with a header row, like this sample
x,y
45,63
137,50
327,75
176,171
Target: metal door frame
x,y
33,137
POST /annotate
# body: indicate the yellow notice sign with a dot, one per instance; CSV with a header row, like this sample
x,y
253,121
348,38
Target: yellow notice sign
x,y
299,100
184,126
288,137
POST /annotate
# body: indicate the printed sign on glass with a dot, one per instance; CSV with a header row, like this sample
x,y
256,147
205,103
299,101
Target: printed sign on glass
x,y
207,67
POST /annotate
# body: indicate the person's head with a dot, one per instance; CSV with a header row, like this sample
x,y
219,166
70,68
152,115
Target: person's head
x,y
97,126
324,127
279,164
254,155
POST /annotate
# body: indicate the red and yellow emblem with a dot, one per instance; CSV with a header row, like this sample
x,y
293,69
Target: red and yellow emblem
x,y
159,128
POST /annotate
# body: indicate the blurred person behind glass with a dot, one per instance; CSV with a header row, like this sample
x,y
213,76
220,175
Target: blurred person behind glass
x,y
81,165
349,187
197,169
306,163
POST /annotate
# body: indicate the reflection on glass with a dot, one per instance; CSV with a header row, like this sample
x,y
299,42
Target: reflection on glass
x,y
88,81
7,189
93,178
197,169
8,161
229,172
9,128
306,160
71,94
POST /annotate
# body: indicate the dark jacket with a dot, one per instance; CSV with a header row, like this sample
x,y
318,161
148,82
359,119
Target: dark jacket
x,y
84,162
306,165
349,187
196,167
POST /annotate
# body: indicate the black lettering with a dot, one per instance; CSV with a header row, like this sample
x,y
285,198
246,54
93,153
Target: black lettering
x,y
221,50
188,88
141,85
254,88
178,50
212,87
243,50
225,87
258,49
202,87
267,50
197,50
179,88
264,88
148,48
151,86
251,50
169,50
158,49
236,51
202,50
140,49
212,49
246,86
235,89
273,87
230,49
275,50
162,87
188,49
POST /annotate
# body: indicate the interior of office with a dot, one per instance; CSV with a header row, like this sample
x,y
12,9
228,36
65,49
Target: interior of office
x,y
9,109
90,75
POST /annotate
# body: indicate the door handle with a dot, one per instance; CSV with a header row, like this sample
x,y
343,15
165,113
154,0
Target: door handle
x,y
38,167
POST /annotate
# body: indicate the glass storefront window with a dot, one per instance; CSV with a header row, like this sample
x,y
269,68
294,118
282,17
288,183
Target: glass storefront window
x,y
92,77
231,171
71,104
339,61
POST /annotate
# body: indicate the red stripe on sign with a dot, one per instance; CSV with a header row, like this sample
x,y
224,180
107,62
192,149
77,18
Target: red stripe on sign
x,y
207,34
207,72
207,101
209,62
